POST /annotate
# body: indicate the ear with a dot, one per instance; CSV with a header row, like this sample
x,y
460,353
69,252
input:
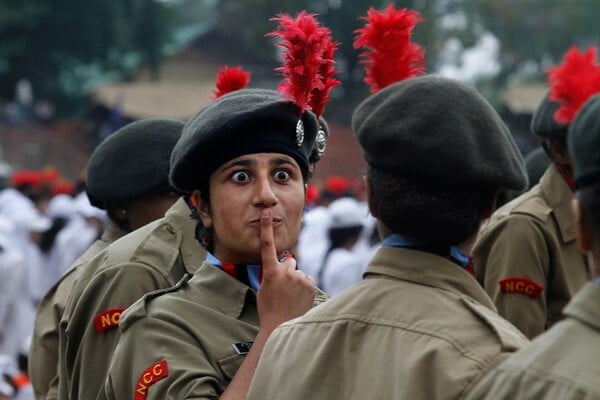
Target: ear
x,y
203,209
585,237
369,193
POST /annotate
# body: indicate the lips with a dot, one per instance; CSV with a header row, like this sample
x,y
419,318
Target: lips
x,y
276,221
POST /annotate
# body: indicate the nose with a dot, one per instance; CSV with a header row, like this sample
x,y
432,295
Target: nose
x,y
264,196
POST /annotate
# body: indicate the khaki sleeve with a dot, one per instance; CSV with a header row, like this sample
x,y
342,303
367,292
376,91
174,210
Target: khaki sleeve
x,y
92,332
159,360
510,382
508,254
43,355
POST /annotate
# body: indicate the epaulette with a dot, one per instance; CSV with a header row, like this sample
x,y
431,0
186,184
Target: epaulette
x,y
530,204
509,337
139,309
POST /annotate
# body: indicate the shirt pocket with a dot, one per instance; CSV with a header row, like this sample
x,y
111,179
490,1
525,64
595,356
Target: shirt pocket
x,y
230,365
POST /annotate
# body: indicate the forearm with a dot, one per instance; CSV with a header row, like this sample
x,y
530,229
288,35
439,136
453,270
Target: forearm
x,y
240,384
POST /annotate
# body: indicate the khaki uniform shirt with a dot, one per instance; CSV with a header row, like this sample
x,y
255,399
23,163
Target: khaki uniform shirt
x,y
417,327
43,354
527,259
153,257
563,363
187,343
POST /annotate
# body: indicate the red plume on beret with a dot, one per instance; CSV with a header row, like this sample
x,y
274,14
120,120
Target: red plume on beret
x,y
573,82
230,80
391,56
308,61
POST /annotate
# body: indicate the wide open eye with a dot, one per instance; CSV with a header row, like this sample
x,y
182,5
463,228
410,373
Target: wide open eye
x,y
281,175
240,176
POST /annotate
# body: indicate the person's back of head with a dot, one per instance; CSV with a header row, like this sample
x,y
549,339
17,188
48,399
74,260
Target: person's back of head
x,y
584,149
438,154
128,173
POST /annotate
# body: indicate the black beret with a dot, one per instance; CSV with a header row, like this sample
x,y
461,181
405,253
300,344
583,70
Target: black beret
x,y
439,129
133,162
536,163
246,121
543,123
584,143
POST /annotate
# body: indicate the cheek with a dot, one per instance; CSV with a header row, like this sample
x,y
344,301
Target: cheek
x,y
295,209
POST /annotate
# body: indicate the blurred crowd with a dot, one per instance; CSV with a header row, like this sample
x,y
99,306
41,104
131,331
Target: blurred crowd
x,y
46,222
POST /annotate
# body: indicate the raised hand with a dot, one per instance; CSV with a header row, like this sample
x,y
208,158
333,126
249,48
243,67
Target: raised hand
x,y
285,292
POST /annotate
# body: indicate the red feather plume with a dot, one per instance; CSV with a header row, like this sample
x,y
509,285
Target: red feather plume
x,y
391,56
308,64
229,80
320,96
573,82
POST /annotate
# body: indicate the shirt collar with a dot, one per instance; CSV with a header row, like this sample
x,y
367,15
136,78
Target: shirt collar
x,y
178,217
559,195
426,269
112,232
220,291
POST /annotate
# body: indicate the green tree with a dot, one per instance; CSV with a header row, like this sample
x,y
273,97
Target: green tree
x,y
64,47
534,34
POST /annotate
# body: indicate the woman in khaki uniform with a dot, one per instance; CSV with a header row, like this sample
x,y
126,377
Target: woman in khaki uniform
x,y
245,159
418,326
526,257
116,180
564,363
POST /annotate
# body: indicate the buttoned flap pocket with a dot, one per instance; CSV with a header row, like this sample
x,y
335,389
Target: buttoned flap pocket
x,y
510,337
229,365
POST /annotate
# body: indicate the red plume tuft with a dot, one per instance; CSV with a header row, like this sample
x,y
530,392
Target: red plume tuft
x,y
320,96
391,56
308,64
573,82
229,80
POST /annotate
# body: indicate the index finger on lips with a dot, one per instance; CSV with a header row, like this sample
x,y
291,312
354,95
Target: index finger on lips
x,y
268,253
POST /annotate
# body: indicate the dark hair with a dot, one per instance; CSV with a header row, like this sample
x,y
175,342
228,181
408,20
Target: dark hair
x,y
589,200
426,210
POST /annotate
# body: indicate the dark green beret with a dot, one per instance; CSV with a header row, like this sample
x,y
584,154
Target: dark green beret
x,y
584,143
536,163
133,162
246,121
438,129
543,123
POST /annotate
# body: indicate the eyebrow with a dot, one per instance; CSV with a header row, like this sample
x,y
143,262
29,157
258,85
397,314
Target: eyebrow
x,y
280,161
245,162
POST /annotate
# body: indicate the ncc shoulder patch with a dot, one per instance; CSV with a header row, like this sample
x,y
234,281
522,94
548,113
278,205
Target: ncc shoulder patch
x,y
108,319
521,285
149,377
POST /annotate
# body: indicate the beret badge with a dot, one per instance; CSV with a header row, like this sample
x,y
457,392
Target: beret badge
x,y
321,142
299,133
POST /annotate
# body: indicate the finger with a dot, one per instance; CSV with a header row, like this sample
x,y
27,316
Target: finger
x,y
268,253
